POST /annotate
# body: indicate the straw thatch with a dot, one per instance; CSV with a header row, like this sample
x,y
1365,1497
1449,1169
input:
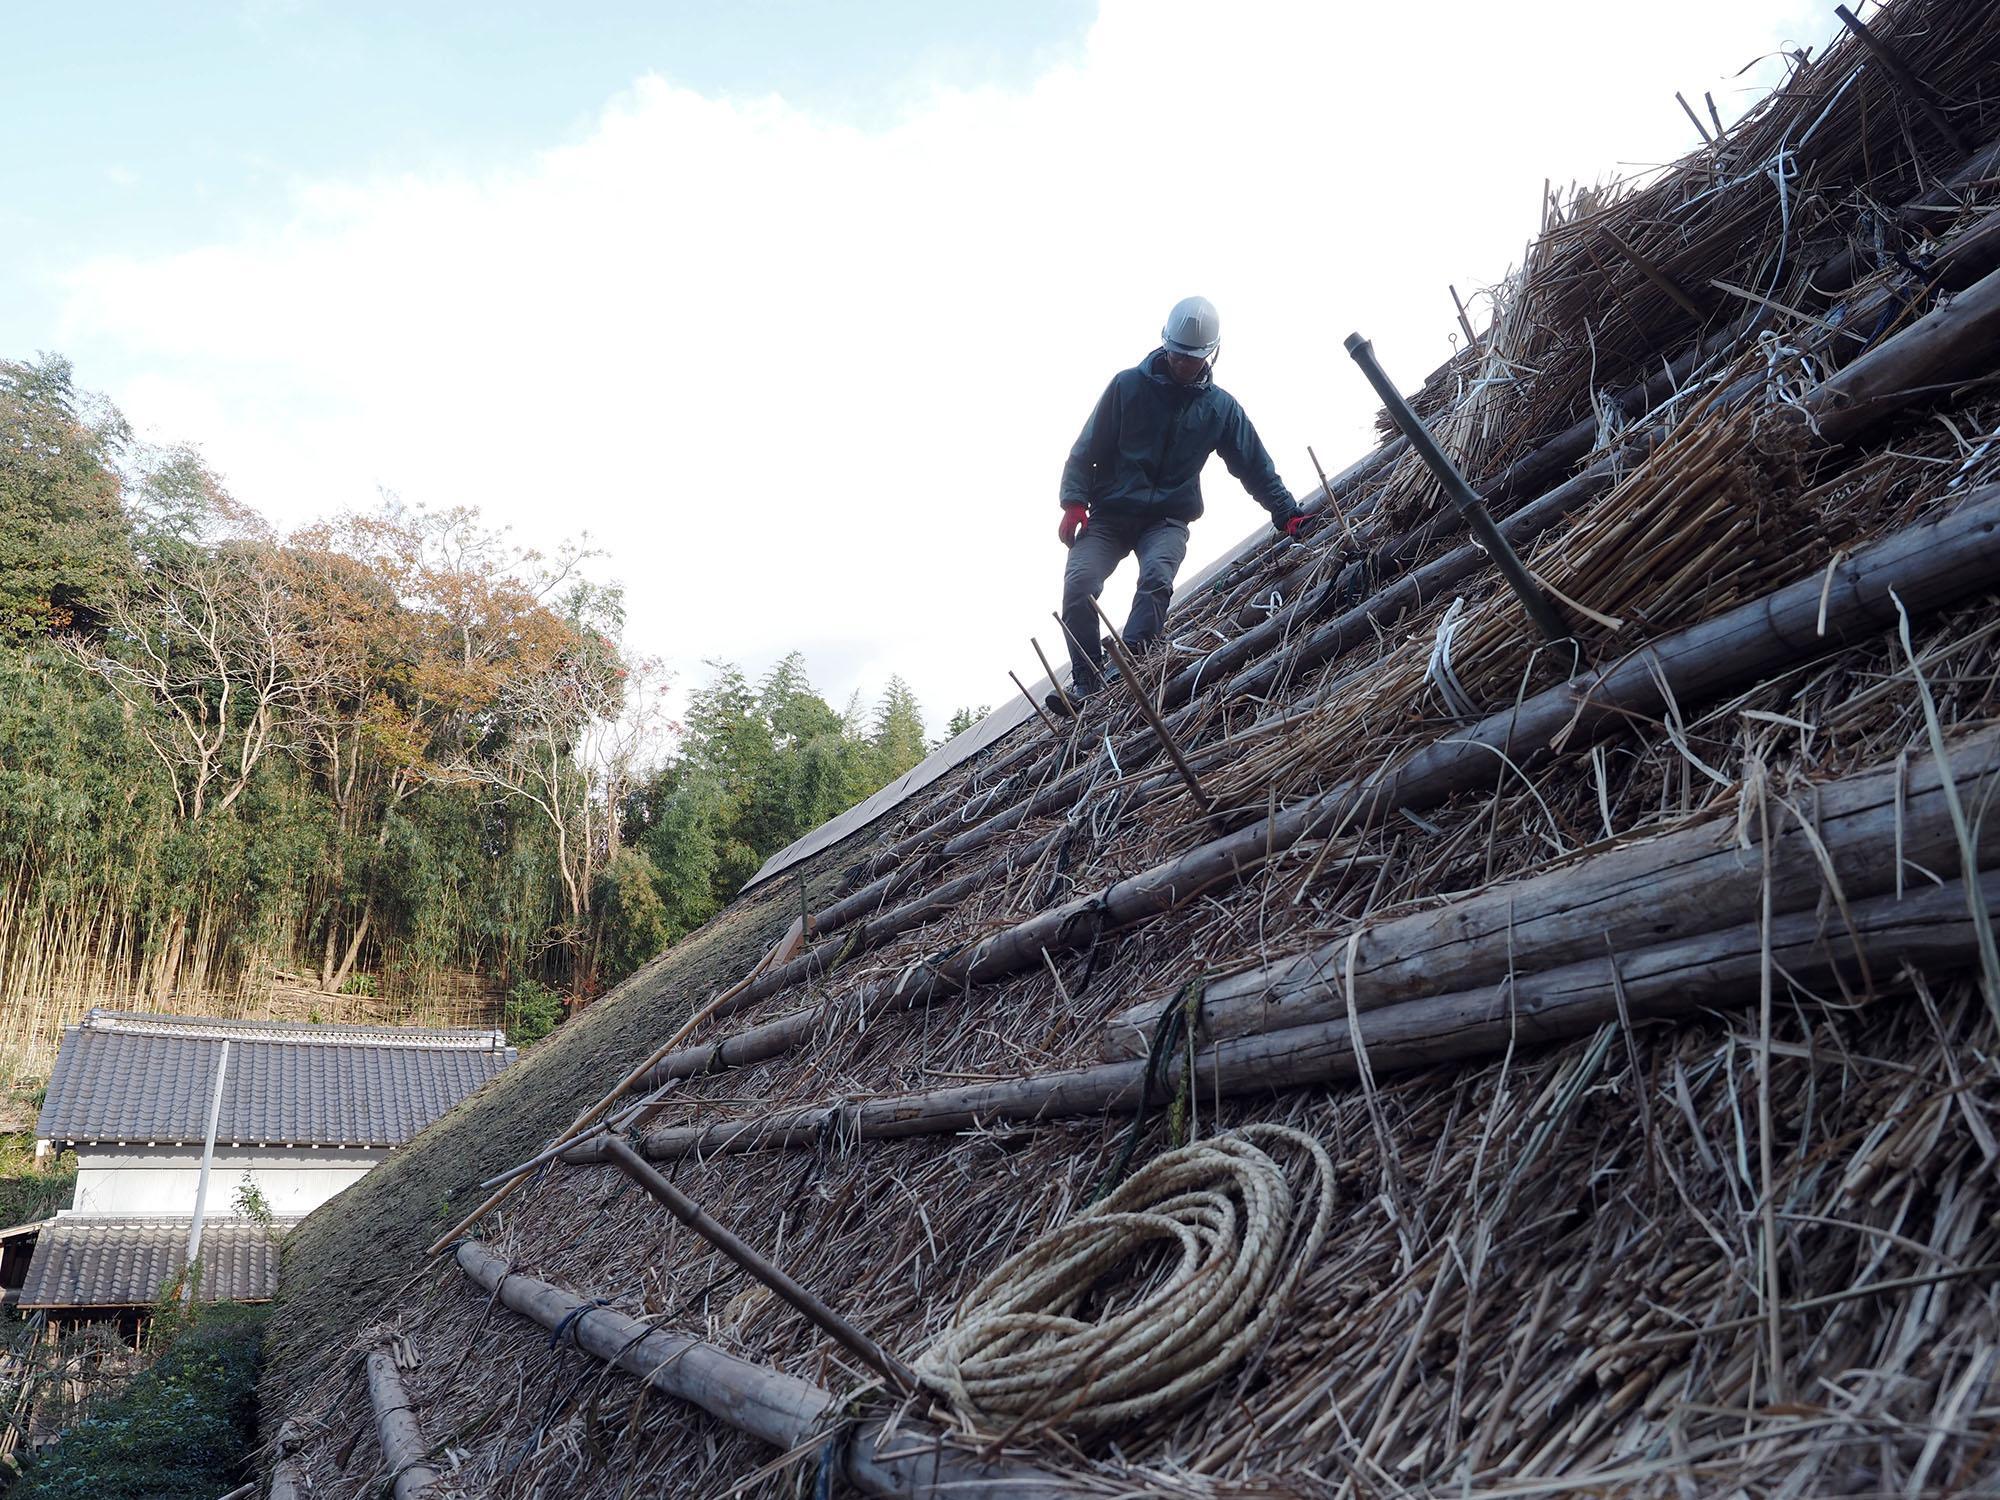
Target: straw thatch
x,y
1640,991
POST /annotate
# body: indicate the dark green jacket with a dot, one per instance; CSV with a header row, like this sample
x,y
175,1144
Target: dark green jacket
x,y
1142,450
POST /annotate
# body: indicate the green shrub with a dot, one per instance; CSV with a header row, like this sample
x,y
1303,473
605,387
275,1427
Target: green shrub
x,y
30,1190
180,1431
532,1011
632,920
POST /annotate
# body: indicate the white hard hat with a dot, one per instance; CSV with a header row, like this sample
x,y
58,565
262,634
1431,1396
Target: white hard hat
x,y
1193,327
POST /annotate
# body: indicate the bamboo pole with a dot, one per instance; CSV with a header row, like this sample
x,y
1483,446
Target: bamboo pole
x,y
1129,670
404,1449
815,1311
1931,927
1054,681
910,1463
1892,63
1040,712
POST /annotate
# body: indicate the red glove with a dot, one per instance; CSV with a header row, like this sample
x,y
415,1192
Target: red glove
x,y
1075,518
1294,526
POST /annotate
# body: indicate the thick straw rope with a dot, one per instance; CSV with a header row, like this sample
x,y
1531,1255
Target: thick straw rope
x,y
1018,1349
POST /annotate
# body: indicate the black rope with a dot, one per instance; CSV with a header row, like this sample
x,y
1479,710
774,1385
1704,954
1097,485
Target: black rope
x,y
575,1313
1169,1032
829,1467
1095,910
1095,907
1059,877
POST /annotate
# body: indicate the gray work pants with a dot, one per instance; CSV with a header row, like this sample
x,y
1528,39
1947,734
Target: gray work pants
x,y
1160,546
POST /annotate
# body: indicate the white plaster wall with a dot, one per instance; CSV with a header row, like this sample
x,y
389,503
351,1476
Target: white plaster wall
x,y
163,1180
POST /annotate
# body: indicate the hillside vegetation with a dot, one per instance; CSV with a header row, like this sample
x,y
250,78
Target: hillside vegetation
x,y
390,764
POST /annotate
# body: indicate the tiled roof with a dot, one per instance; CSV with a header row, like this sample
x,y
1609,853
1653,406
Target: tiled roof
x,y
127,1077
83,1261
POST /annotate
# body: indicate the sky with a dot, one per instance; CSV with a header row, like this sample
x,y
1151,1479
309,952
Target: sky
x,y
792,309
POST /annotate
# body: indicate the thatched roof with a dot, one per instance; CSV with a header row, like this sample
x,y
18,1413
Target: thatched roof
x,y
1632,986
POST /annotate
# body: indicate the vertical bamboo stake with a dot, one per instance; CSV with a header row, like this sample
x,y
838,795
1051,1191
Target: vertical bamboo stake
x,y
1129,670
1054,681
1471,338
1898,70
1688,110
1326,488
1040,713
822,1317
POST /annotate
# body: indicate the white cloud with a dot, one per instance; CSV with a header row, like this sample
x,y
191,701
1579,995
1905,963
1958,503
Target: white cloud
x,y
812,386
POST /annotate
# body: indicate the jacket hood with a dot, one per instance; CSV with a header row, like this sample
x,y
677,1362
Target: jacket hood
x,y
1154,367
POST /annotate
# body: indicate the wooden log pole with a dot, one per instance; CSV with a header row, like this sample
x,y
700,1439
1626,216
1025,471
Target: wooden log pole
x,y
1861,827
405,1453
1930,929
913,1463
1956,343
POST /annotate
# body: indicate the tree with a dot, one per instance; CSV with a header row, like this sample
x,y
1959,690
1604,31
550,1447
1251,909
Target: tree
x,y
756,768
898,735
632,920
64,541
961,721
447,656
204,650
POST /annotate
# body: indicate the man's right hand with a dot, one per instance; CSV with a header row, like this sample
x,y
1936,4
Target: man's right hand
x,y
1075,518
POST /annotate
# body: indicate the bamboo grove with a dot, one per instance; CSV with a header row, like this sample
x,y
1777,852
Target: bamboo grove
x,y
389,764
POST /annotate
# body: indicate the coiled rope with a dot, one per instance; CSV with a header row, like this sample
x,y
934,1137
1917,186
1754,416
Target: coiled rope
x,y
1058,1333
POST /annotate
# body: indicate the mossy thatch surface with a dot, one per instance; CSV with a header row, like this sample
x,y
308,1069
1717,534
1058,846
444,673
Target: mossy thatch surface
x,y
347,1262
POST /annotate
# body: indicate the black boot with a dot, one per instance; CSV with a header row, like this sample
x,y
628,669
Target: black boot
x,y
1080,690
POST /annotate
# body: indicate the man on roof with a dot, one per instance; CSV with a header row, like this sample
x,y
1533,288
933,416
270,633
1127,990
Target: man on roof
x,y
1133,483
